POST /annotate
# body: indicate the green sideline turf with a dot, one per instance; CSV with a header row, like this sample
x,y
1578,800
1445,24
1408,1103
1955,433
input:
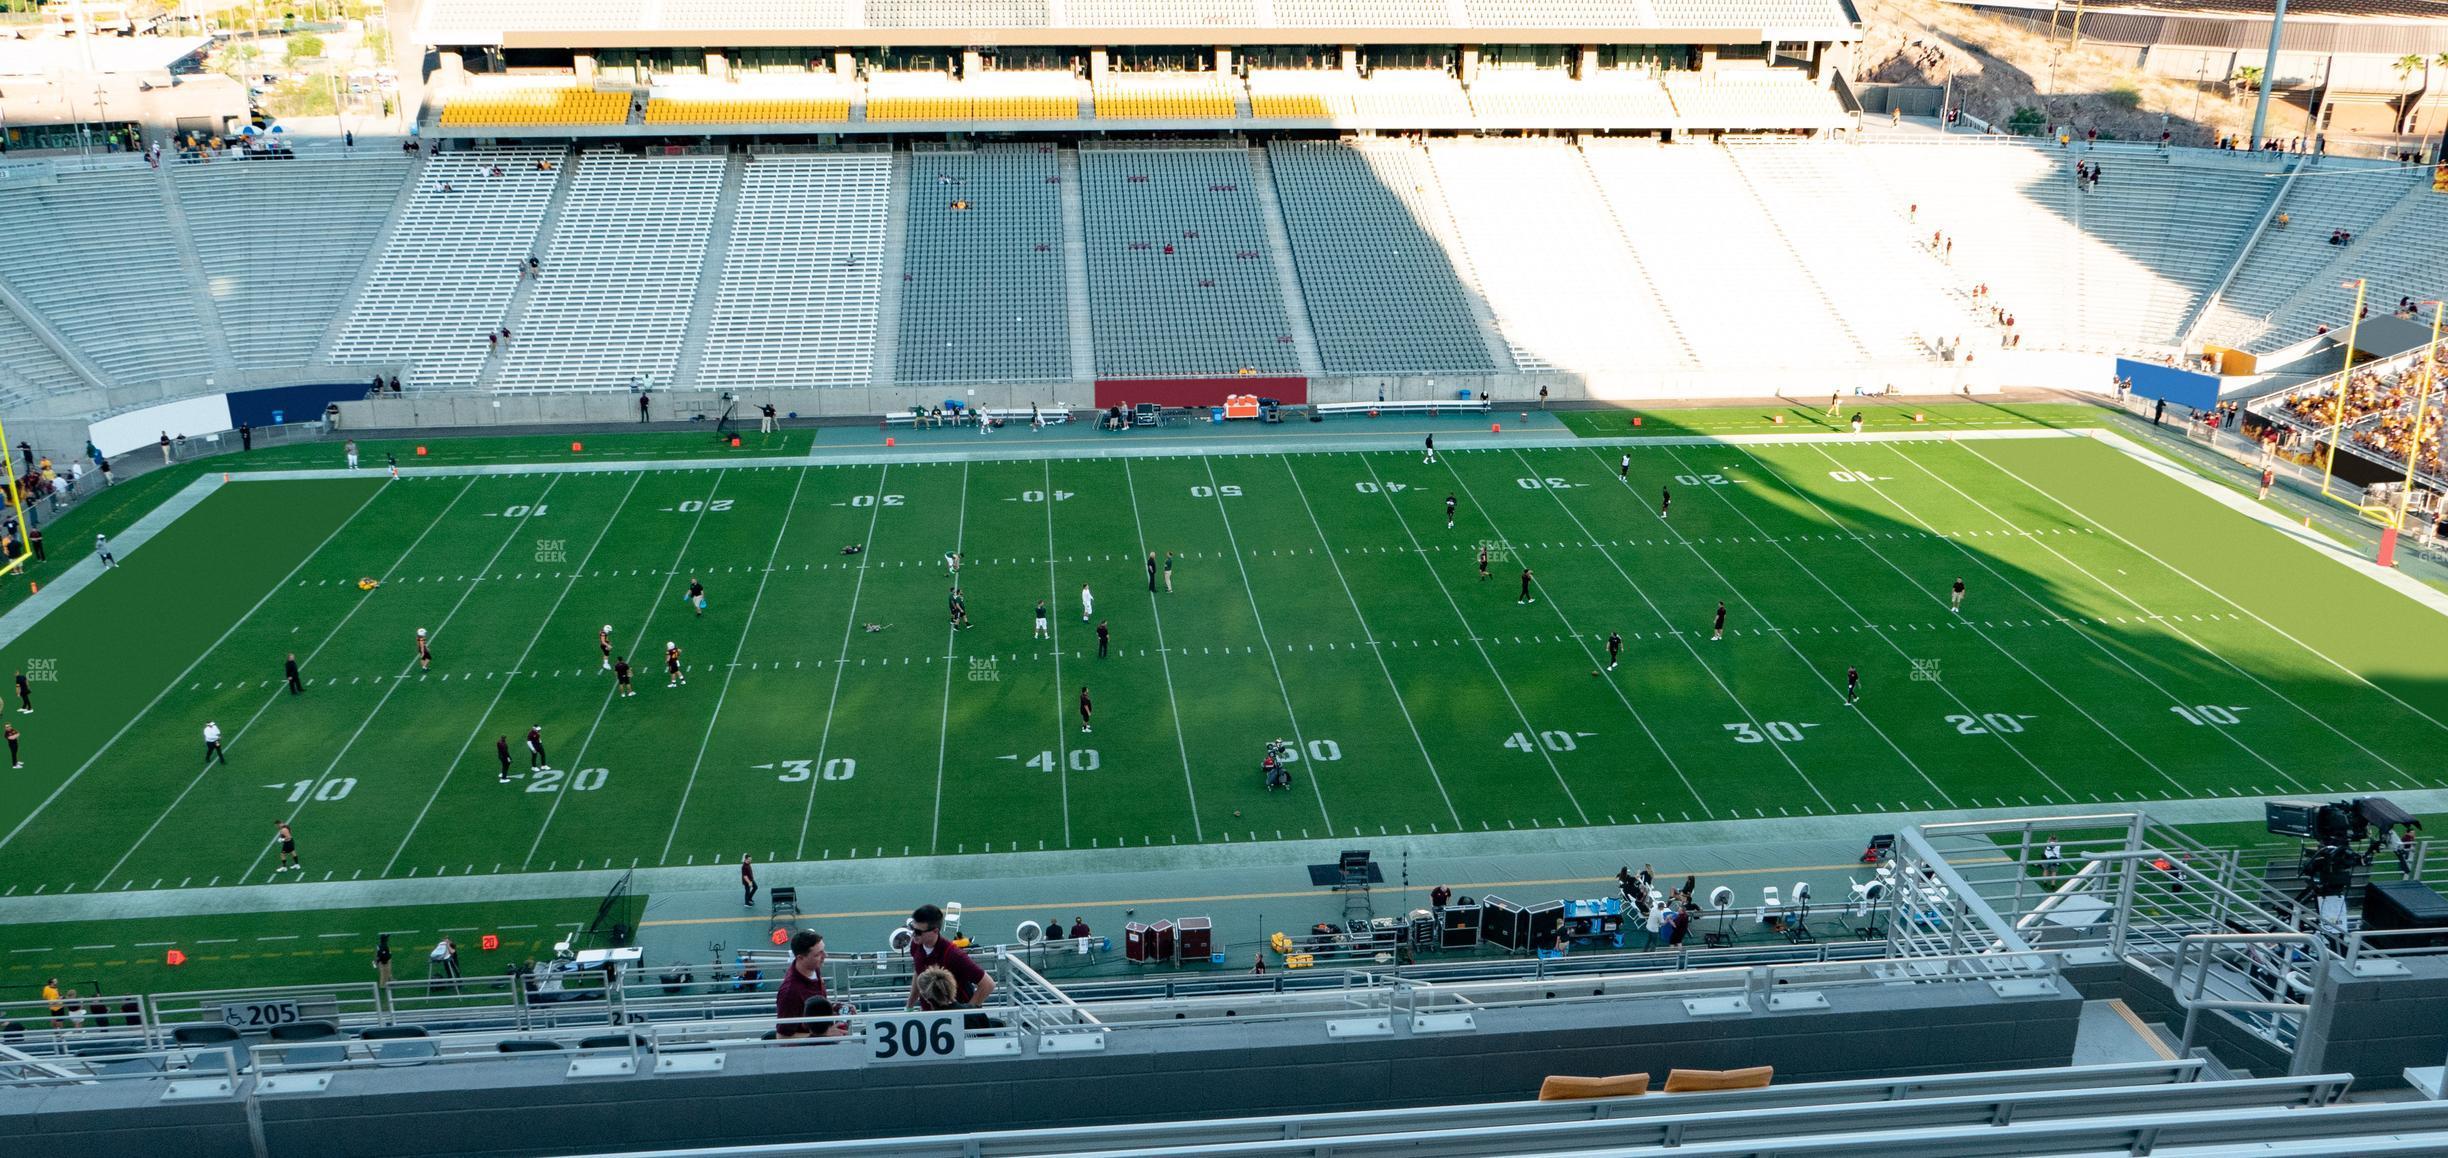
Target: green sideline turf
x,y
251,950
1319,598
1805,415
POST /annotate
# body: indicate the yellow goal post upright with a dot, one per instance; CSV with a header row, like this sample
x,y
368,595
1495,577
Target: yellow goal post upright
x,y
18,551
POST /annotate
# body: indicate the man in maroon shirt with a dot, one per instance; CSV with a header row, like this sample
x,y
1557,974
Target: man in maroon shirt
x,y
929,949
803,989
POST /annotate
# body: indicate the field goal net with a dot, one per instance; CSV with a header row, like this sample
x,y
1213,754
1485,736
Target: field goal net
x,y
616,918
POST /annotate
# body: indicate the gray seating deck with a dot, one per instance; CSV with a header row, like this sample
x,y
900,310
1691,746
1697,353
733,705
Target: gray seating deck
x,y
1179,276
982,287
1387,287
276,292
88,253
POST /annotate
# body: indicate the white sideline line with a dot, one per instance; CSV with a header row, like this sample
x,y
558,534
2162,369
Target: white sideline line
x,y
329,636
1164,655
521,665
645,622
2169,623
400,680
841,664
38,606
1362,619
1054,621
732,669
1464,620
1787,639
2391,579
943,726
1285,690
189,670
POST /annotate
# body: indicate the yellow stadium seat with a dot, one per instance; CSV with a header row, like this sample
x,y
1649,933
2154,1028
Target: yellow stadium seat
x,y
561,106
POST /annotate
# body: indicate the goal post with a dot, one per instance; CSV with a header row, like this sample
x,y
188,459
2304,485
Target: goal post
x,y
17,552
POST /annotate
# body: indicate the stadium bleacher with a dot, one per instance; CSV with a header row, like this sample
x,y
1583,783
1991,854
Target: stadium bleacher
x,y
1617,98
618,282
1386,286
445,275
801,278
2286,259
982,285
746,109
1565,288
1828,210
1180,276
1757,98
1690,217
276,297
88,254
32,367
536,107
1163,96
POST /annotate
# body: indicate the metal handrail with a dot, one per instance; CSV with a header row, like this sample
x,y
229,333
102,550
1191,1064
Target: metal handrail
x,y
2190,986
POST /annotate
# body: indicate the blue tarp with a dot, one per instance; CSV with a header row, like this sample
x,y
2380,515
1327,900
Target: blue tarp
x,y
2181,387
292,403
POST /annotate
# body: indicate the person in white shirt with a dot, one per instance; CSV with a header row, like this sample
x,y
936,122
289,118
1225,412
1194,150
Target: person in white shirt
x,y
212,743
1087,603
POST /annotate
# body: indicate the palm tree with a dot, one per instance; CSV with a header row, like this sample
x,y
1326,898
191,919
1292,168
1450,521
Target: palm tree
x,y
2246,79
2405,67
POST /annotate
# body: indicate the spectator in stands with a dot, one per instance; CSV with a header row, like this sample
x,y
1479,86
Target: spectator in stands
x,y
382,962
803,990
929,949
165,447
932,990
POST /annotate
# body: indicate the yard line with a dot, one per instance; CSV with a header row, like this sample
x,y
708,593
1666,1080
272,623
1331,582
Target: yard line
x,y
2188,577
401,679
842,664
333,634
1362,619
1978,628
1281,687
1582,642
1054,620
192,664
2163,622
1164,656
645,620
733,667
943,727
1464,620
1888,638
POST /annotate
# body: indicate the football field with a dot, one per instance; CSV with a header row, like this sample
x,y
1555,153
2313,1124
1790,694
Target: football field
x,y
2123,638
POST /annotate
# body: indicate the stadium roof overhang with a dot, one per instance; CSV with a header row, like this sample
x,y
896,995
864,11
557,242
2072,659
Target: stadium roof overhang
x,y
648,38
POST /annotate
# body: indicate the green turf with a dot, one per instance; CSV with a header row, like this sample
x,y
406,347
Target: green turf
x,y
1318,597
250,950
1807,415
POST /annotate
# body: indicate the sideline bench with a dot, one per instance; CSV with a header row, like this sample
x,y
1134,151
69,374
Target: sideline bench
x,y
1455,405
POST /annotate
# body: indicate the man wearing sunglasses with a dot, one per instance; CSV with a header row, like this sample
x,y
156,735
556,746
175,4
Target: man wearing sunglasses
x,y
929,948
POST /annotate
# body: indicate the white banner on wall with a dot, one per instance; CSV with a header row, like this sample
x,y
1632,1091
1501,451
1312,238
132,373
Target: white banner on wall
x,y
142,429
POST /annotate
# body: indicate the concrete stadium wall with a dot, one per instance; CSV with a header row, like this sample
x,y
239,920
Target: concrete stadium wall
x,y
2375,1027
526,1107
2153,1002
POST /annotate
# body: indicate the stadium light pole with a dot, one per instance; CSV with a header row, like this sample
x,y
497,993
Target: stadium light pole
x,y
2269,73
2337,407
